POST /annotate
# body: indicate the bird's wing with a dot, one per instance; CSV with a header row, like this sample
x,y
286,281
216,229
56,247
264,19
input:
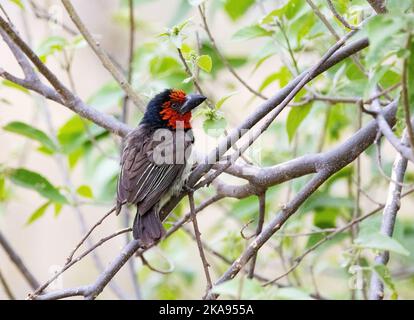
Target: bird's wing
x,y
142,181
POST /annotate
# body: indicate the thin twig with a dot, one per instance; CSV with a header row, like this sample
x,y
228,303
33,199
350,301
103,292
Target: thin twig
x,y
323,19
259,228
18,262
335,99
299,259
42,13
228,261
149,266
275,112
323,173
102,55
193,77
199,243
129,250
243,228
68,265
289,46
357,172
6,287
331,29
5,14
131,46
379,164
107,214
340,18
388,133
223,58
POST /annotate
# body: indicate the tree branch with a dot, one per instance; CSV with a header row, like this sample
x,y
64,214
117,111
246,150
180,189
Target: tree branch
x,y
270,104
389,216
70,100
366,137
386,130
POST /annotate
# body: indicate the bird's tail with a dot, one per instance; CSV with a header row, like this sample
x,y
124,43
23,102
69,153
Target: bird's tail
x,y
147,228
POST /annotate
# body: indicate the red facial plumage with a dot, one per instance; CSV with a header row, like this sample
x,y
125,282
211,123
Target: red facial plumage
x,y
173,116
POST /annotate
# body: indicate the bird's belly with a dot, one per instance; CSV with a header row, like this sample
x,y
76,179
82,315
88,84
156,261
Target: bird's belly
x,y
177,186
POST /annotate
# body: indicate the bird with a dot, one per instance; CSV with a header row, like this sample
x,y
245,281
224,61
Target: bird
x,y
155,160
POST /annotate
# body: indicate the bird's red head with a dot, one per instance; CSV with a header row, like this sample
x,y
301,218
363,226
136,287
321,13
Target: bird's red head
x,y
171,108
170,112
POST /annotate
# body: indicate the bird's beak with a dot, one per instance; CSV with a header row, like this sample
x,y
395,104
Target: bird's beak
x,y
192,100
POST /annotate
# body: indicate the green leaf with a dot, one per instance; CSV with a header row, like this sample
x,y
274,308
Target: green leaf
x,y
246,209
85,191
323,200
39,212
214,127
58,209
399,6
234,60
78,42
204,62
385,275
73,136
50,45
186,50
18,3
283,76
251,32
236,8
3,191
269,80
289,10
295,117
34,181
163,66
382,33
32,133
107,96
381,242
174,33
222,100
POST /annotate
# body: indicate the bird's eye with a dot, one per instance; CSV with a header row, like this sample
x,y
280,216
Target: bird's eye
x,y
175,106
